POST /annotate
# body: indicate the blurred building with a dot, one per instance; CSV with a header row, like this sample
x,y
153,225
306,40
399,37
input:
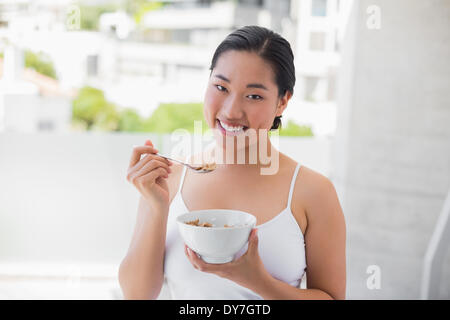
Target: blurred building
x,y
180,38
37,15
320,26
29,101
166,56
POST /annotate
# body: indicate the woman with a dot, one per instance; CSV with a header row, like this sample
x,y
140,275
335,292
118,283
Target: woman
x,y
300,225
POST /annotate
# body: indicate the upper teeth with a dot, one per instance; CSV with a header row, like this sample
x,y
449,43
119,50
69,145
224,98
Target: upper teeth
x,y
229,128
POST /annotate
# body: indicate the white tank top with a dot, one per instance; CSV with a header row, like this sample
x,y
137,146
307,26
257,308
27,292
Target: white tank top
x,y
281,247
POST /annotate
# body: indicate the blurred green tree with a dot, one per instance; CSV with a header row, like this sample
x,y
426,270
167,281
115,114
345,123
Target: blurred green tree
x,y
90,14
171,116
130,121
40,62
138,8
295,130
93,111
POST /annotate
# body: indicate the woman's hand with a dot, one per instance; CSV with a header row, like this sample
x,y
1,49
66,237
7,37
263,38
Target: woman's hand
x,y
148,175
247,271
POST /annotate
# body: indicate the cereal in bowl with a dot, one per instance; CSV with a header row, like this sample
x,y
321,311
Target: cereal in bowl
x,y
198,224
203,224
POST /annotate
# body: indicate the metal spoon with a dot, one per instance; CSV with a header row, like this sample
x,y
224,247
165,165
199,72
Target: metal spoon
x,y
199,169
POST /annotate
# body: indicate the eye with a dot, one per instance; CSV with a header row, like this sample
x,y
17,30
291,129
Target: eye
x,y
255,95
220,88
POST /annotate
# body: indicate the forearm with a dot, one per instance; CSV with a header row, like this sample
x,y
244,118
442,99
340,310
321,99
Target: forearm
x,y
141,273
274,289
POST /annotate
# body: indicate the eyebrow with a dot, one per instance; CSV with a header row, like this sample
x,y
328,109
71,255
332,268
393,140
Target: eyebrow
x,y
250,85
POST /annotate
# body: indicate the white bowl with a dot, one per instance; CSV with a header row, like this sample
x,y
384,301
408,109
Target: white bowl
x,y
216,244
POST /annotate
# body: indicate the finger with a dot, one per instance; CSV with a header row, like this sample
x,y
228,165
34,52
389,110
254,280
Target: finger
x,y
145,162
189,256
252,234
155,156
150,166
138,151
144,172
161,159
145,159
148,143
222,270
204,266
149,179
196,261
253,241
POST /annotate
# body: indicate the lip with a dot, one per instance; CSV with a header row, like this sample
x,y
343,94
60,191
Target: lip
x,y
232,124
227,133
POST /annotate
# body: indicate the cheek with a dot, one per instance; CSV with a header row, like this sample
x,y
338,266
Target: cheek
x,y
211,106
261,116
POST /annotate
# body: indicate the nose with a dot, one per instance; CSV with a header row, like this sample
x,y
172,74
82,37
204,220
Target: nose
x,y
232,109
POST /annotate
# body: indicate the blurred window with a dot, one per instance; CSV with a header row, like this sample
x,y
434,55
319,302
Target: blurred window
x,y
310,85
331,92
46,125
92,65
319,8
336,41
316,89
258,3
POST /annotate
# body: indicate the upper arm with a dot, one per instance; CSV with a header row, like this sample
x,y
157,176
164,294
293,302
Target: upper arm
x,y
325,239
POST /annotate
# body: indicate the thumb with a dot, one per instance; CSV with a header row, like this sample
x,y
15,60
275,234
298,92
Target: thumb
x,y
148,143
253,242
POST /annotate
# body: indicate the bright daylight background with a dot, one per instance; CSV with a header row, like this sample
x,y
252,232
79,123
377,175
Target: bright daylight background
x,y
81,82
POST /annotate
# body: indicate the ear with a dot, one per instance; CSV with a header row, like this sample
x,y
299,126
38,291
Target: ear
x,y
283,102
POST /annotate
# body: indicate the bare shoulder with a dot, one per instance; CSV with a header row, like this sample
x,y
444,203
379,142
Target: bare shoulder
x,y
316,194
325,236
309,185
312,183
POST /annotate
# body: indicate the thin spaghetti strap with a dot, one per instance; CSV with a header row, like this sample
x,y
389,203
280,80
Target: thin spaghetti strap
x,y
291,190
183,174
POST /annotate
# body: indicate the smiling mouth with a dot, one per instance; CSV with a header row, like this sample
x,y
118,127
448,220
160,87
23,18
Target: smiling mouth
x,y
230,131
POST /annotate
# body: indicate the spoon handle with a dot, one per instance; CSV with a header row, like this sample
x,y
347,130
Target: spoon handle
x,y
196,169
168,158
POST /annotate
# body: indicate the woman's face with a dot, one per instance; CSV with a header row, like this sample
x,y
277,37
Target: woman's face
x,y
241,94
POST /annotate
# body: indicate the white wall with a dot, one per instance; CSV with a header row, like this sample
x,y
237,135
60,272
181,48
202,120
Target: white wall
x,y
65,201
67,211
392,150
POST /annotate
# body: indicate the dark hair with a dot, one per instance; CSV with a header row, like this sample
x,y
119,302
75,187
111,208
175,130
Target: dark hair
x,y
270,46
